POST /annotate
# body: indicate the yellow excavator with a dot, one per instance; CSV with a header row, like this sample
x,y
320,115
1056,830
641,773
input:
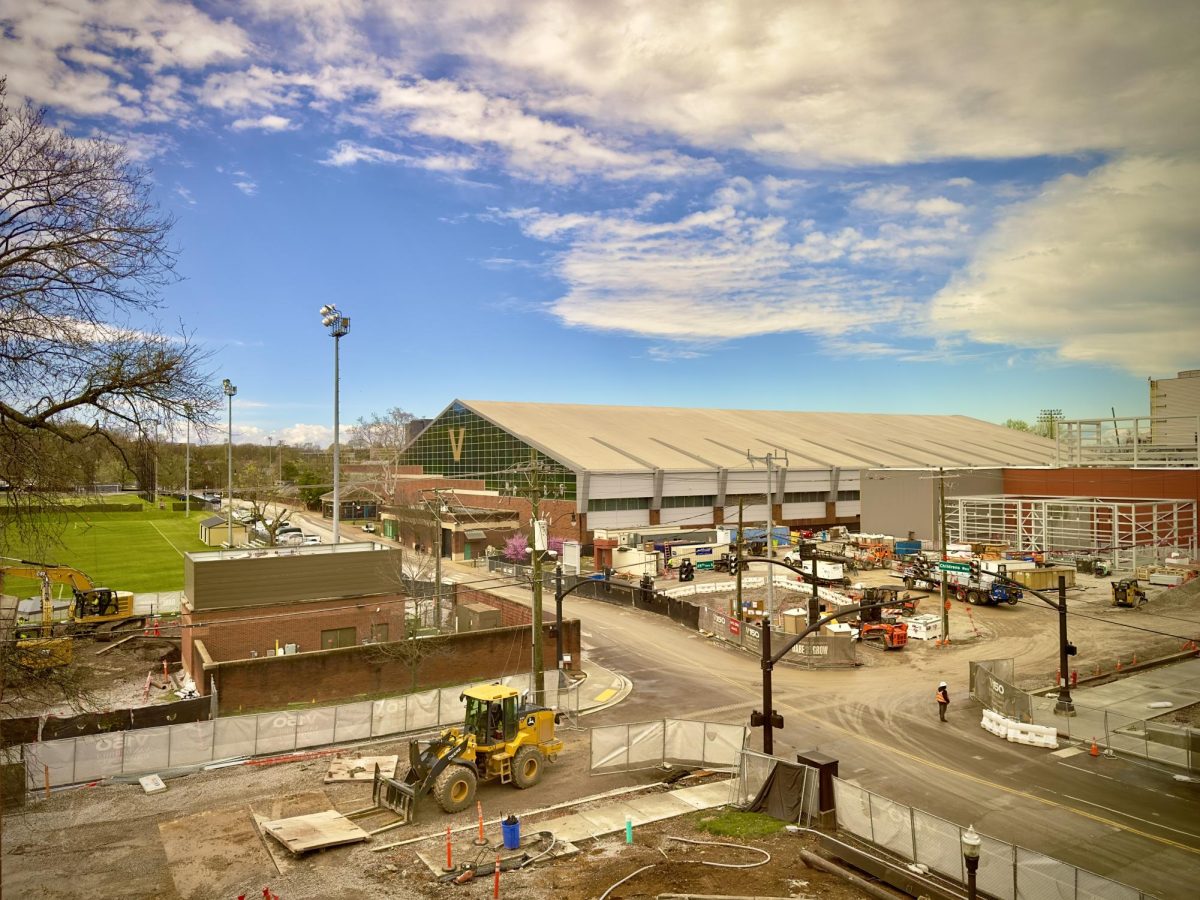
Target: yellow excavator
x,y
99,612
499,739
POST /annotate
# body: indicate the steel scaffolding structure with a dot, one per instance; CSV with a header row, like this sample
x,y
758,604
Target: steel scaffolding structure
x,y
1138,441
1127,532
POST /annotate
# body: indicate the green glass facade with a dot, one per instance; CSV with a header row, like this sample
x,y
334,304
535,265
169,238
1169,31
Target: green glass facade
x,y
460,444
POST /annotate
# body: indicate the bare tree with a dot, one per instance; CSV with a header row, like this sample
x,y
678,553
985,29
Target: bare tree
x,y
389,431
413,574
84,253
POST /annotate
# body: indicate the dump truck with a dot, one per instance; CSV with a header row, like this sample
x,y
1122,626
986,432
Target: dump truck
x,y
501,738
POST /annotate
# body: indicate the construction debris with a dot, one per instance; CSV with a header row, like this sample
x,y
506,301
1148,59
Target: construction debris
x,y
360,768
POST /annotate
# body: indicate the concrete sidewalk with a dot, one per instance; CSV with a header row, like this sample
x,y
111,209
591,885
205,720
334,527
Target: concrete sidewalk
x,y
1115,715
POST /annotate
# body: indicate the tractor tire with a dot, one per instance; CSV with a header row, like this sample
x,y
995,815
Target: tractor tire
x,y
527,767
1012,600
454,789
974,598
960,593
908,583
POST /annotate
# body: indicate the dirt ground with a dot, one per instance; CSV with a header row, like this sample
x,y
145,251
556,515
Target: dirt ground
x,y
198,840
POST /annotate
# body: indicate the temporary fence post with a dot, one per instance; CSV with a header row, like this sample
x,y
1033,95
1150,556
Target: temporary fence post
x,y
74,757
47,770
871,815
296,728
912,828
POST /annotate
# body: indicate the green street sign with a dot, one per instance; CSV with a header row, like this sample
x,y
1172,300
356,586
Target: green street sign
x,y
954,566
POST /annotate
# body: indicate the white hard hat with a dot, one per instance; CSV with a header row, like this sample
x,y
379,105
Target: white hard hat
x,y
942,684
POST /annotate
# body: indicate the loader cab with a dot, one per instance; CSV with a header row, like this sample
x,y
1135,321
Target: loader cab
x,y
491,714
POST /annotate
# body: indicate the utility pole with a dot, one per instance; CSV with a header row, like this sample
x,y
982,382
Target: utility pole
x,y
814,602
769,459
741,534
944,576
538,548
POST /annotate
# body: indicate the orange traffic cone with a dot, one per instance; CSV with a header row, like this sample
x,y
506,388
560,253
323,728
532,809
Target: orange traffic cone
x,y
1118,665
1095,751
1133,662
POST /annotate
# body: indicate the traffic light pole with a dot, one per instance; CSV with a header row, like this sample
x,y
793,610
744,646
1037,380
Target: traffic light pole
x,y
1064,705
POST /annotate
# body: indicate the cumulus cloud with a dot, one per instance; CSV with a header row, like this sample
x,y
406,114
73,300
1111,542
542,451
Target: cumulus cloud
x,y
267,122
1102,268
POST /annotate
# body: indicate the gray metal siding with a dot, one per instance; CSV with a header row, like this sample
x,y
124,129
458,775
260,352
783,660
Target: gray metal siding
x,y
232,583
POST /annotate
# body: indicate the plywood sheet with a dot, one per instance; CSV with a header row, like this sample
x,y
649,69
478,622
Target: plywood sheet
x,y
314,831
360,768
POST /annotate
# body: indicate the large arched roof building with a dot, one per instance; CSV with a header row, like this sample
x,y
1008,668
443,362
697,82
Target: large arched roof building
x,y
628,466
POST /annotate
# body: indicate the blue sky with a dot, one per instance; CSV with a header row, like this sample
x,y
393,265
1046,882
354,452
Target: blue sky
x,y
917,207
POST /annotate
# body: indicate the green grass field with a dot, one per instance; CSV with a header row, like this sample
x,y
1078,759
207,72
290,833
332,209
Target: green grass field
x,y
128,551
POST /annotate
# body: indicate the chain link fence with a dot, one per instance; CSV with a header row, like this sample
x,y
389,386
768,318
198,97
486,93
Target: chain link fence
x,y
92,757
817,651
1154,740
1006,871
755,768
679,742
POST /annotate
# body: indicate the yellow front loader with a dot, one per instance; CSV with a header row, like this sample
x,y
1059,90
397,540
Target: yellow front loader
x,y
500,739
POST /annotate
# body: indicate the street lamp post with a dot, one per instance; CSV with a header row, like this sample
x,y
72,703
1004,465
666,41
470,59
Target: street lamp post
x,y
971,842
230,391
339,327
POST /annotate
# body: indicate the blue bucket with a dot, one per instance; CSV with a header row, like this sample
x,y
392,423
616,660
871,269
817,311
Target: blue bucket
x,y
511,829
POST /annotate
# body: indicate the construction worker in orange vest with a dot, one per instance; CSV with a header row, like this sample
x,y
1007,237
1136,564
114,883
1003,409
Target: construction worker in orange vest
x,y
943,699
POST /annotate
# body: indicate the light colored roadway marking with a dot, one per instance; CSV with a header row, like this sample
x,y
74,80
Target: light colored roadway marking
x,y
165,538
604,695
1127,815
1008,790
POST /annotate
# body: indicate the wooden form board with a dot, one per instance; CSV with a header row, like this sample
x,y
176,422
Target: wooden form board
x,y
314,831
360,768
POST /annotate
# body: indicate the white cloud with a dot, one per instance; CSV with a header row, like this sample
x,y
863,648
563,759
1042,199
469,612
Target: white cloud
x,y
897,200
711,275
185,195
807,84
71,54
1103,268
267,122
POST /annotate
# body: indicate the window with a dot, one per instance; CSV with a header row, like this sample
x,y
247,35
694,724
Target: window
x,y
379,633
806,496
848,495
700,500
618,504
338,637
461,444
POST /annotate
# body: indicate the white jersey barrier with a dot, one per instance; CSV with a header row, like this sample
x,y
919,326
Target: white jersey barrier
x,y
1019,732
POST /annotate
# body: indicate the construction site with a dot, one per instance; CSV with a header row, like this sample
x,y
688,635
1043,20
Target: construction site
x,y
437,794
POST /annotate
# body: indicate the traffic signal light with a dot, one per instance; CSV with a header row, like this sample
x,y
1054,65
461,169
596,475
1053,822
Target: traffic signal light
x,y
734,565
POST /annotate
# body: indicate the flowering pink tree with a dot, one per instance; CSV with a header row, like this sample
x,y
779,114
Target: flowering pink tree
x,y
515,547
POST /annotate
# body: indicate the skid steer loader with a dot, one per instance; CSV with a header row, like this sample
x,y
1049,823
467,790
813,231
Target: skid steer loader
x,y
500,738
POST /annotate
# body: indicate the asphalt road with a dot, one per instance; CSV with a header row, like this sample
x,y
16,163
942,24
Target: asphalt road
x,y
1118,818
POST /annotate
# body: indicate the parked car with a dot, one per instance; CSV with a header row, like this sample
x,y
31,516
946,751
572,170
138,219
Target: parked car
x,y
311,539
369,528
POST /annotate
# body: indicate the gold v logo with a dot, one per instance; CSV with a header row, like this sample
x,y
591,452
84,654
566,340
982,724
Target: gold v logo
x,y
457,445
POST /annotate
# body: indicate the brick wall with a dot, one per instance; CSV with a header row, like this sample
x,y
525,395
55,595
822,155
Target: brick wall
x,y
233,633
352,673
511,612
